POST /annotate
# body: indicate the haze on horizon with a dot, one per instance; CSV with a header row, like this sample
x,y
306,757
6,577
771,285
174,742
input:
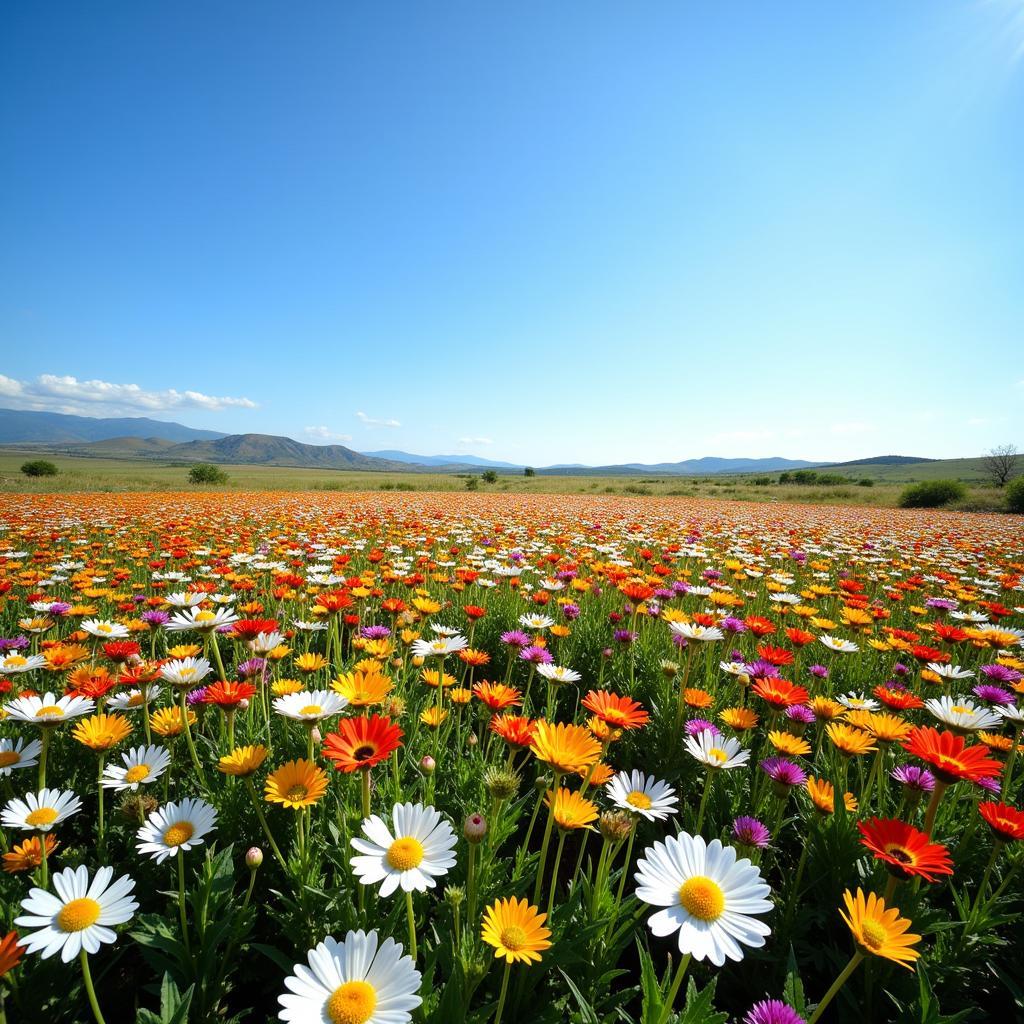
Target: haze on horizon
x,y
577,234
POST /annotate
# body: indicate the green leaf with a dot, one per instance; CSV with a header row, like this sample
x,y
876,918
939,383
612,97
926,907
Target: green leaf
x,y
587,1014
793,990
700,1008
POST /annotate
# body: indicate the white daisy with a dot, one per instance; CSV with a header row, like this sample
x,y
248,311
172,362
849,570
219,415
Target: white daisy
x,y
185,599
18,754
962,714
709,897
692,631
419,850
439,646
104,629
716,751
352,982
536,622
310,705
558,674
858,702
1011,714
641,794
950,671
186,671
79,916
142,765
836,643
735,668
14,663
48,710
39,812
176,827
200,620
133,700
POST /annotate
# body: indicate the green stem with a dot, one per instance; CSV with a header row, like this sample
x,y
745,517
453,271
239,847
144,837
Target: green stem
x,y
622,883
836,986
674,990
183,707
44,739
412,924
99,817
704,801
1008,770
43,865
83,959
544,848
471,885
263,822
365,783
504,992
933,805
181,901
554,874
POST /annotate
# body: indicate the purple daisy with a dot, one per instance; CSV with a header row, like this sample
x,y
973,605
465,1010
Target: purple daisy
x,y
695,726
515,638
536,655
1001,673
818,671
800,713
784,773
993,694
749,831
913,778
375,632
772,1011
155,619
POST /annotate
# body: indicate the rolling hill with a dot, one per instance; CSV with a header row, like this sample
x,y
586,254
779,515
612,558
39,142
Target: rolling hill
x,y
18,426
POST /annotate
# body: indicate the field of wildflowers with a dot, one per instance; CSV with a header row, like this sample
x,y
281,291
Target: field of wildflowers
x,y
361,759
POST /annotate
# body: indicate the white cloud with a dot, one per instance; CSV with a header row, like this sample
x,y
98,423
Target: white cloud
x,y
369,421
52,393
475,440
325,434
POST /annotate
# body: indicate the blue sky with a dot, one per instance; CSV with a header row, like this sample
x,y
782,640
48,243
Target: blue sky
x,y
584,232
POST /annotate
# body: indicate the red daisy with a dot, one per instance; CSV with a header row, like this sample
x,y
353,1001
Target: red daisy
x,y
906,851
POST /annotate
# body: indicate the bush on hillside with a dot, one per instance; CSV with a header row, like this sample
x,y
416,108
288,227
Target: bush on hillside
x,y
205,473
39,467
932,494
1015,495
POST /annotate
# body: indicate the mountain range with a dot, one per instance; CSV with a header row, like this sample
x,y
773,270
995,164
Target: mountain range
x,y
141,438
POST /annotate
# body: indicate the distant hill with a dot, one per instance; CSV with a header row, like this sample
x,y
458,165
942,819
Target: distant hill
x,y
442,460
707,466
20,426
883,460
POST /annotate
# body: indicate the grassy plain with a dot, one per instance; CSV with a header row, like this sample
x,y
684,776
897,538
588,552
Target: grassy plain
x,y
114,475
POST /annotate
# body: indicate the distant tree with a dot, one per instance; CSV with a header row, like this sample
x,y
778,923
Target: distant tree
x,y
1015,495
529,471
999,464
472,483
39,467
205,473
490,477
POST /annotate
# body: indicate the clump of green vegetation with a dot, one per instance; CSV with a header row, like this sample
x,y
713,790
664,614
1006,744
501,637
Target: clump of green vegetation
x,y
762,481
865,482
811,477
636,489
472,483
39,467
529,471
207,473
1015,495
489,476
932,494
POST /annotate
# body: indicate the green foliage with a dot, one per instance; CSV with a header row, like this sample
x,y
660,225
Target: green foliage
x,y
472,483
39,467
529,471
865,482
207,473
1015,495
490,476
174,1005
932,494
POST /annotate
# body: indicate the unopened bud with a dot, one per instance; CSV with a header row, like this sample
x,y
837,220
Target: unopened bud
x,y
243,704
454,895
471,740
501,784
427,765
253,858
616,826
315,736
475,828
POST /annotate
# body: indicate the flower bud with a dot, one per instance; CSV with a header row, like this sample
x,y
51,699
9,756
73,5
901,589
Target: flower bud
x,y
501,784
454,895
253,858
427,765
475,828
471,740
316,736
243,704
616,825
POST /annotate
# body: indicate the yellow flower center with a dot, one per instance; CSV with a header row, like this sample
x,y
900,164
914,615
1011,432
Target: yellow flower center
x,y
186,673
103,627
702,898
718,754
137,774
178,834
297,792
135,700
78,915
352,1003
960,709
513,938
311,709
8,757
42,816
639,800
204,616
405,854
874,934
49,711
15,661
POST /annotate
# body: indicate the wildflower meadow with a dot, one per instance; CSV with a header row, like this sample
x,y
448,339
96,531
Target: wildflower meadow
x,y
368,758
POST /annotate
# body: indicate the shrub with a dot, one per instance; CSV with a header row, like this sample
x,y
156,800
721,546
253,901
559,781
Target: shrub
x,y
1015,495
932,494
865,482
39,467
529,471
205,473
490,477
762,481
472,483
